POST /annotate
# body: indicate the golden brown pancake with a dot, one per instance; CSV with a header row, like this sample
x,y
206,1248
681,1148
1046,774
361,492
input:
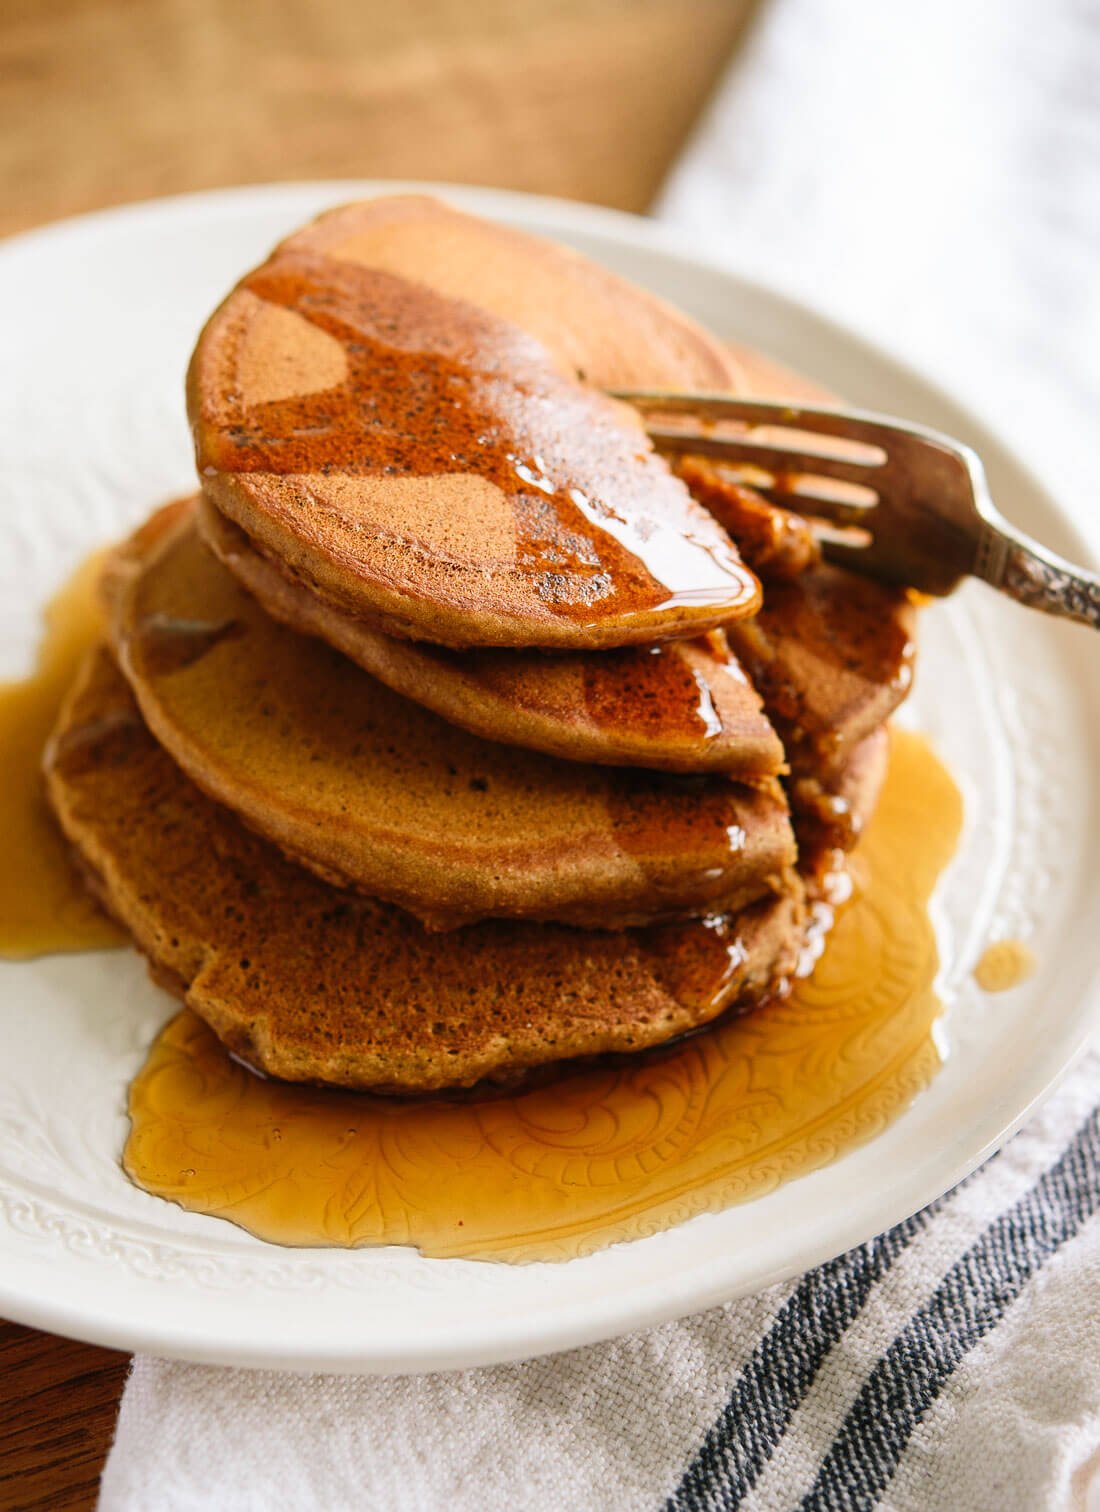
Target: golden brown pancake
x,y
683,706
425,463
831,653
374,791
308,982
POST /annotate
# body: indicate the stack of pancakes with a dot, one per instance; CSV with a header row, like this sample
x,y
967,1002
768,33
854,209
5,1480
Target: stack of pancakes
x,y
447,734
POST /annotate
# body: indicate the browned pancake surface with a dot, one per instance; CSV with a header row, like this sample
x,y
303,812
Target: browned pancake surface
x,y
683,706
309,982
427,464
375,791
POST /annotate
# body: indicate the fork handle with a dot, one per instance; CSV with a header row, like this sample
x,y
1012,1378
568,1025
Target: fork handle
x,y
1027,572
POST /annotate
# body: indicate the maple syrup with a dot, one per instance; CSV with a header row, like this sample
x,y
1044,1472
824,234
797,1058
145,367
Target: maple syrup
x,y
602,1154
1004,965
44,906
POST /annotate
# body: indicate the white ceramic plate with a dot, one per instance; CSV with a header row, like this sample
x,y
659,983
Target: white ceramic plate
x,y
98,317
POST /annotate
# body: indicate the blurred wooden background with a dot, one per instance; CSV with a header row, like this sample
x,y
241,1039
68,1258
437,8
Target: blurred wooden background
x,y
104,101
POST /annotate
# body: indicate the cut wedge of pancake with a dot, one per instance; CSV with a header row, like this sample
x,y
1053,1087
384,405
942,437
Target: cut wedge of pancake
x,y
832,655
427,464
683,706
308,982
374,791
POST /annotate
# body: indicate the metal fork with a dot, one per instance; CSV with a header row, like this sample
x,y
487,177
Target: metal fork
x,y
906,504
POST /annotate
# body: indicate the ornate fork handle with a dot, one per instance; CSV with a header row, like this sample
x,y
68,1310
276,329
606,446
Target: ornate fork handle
x,y
1038,578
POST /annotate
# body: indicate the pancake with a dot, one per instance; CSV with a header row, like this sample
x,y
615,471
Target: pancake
x,y
378,427
831,652
376,792
684,706
307,982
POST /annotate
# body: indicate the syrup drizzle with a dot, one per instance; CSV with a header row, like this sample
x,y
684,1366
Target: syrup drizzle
x,y
1004,965
604,1154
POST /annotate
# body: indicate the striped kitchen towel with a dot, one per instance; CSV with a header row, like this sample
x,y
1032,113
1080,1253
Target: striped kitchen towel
x,y
952,1364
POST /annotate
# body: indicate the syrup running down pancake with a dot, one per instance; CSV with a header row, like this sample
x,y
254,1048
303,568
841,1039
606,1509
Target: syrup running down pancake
x,y
425,463
597,325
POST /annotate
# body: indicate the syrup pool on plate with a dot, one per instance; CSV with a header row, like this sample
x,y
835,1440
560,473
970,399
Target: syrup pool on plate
x,y
44,906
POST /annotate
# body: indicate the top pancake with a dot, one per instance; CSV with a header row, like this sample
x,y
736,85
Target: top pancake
x,y
374,791
390,408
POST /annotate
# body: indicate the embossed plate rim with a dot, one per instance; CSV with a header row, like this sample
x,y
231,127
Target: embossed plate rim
x,y
62,1266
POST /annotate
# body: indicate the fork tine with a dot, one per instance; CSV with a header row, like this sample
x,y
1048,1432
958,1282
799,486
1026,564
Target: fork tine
x,y
815,418
938,523
773,458
884,557
819,506
852,557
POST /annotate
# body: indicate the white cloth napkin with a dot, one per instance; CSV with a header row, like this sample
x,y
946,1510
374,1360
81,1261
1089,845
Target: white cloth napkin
x,y
930,172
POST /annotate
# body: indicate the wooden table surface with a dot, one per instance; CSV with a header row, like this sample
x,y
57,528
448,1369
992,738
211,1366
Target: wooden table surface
x,y
104,101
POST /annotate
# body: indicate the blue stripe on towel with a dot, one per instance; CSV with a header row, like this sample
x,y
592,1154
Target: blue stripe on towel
x,y
968,1304
783,1367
